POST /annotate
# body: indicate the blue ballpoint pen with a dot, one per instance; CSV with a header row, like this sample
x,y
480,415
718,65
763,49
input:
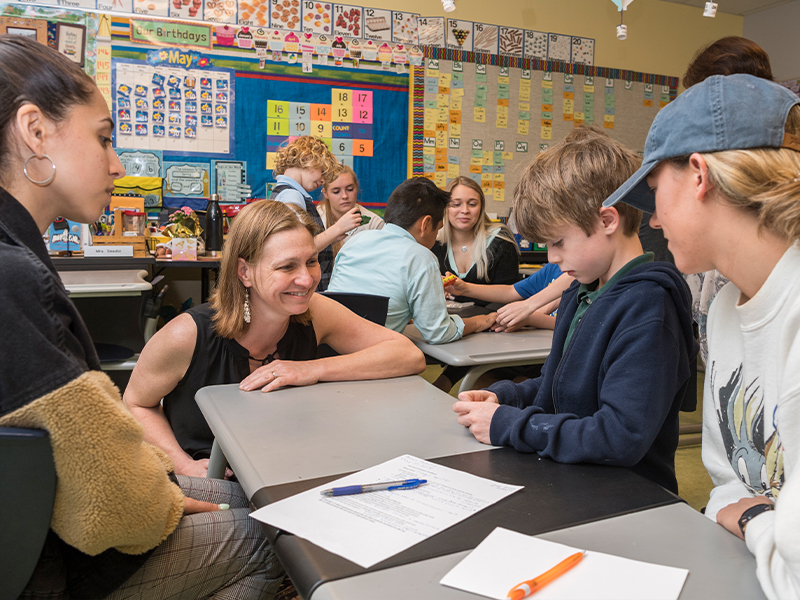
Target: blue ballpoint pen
x,y
406,484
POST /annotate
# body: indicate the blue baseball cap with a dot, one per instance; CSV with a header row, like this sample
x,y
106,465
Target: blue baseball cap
x,y
732,112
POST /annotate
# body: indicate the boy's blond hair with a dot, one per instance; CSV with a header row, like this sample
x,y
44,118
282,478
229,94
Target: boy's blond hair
x,y
567,184
305,152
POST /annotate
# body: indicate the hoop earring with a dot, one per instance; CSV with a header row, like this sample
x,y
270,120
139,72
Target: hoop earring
x,y
33,181
247,305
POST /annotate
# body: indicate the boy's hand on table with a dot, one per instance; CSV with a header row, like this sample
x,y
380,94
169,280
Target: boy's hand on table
x,y
488,323
729,516
512,316
475,410
477,396
507,328
278,374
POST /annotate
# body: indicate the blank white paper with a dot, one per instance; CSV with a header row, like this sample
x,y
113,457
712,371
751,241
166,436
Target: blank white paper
x,y
506,558
368,528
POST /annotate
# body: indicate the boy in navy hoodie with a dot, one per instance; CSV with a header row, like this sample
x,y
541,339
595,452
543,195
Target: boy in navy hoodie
x,y
618,370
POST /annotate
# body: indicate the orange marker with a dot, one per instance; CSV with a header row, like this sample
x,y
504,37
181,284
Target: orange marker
x,y
526,588
448,280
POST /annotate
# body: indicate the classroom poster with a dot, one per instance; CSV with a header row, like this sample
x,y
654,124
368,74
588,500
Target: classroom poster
x,y
173,109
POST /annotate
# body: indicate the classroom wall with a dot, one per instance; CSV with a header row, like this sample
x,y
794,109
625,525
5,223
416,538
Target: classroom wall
x,y
662,36
775,30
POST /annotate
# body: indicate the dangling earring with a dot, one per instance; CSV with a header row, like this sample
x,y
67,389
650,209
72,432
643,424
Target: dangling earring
x,y
247,305
44,182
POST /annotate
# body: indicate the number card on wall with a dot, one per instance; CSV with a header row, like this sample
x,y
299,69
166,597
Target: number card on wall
x,y
345,124
459,35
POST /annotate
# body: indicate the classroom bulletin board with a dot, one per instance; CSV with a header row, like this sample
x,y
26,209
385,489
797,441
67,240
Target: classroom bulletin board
x,y
265,103
485,117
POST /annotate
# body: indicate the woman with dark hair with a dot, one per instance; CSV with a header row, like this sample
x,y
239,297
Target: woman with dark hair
x,y
261,330
727,56
123,524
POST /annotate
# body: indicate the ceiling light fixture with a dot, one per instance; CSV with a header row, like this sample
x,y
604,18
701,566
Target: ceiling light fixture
x,y
622,29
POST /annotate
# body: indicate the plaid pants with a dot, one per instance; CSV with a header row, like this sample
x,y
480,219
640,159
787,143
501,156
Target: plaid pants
x,y
220,555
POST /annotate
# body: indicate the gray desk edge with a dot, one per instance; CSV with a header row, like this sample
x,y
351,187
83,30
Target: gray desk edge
x,y
719,564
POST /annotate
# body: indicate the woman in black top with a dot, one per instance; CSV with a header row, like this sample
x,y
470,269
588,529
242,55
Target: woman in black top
x,y
261,330
470,245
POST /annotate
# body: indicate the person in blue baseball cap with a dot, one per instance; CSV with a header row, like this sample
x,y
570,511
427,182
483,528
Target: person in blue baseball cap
x,y
721,175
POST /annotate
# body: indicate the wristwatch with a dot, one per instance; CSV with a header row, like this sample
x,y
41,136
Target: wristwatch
x,y
752,512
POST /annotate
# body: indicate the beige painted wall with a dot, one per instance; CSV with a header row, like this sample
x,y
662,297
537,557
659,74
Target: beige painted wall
x,y
662,36
775,30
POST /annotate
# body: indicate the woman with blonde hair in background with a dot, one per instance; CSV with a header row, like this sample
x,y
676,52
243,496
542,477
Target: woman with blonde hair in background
x,y
340,199
469,245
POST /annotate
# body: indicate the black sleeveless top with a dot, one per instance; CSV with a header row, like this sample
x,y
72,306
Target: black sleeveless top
x,y
218,360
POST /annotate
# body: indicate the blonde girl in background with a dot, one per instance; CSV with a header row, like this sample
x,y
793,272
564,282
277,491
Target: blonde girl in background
x,y
340,203
470,245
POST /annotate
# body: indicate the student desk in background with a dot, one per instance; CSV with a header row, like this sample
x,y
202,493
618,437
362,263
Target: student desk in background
x,y
288,441
105,284
487,350
103,266
119,283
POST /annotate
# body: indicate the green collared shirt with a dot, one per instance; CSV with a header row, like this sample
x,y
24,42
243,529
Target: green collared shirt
x,y
588,293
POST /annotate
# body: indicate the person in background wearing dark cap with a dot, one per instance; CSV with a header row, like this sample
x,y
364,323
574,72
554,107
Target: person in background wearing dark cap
x,y
721,175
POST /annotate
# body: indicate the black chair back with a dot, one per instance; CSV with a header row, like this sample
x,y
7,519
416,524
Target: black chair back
x,y
367,306
26,506
370,307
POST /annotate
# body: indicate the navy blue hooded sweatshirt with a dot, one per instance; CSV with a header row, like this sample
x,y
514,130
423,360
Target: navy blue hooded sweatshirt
x,y
614,395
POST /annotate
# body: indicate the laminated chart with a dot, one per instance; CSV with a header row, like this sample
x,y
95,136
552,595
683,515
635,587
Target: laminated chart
x,y
254,13
347,21
181,111
511,41
345,124
487,121
459,35
285,14
431,31
485,38
317,17
378,24
404,28
582,51
559,47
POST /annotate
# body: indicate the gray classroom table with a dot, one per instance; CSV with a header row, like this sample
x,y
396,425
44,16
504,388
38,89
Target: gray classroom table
x,y
720,566
280,442
389,418
487,350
